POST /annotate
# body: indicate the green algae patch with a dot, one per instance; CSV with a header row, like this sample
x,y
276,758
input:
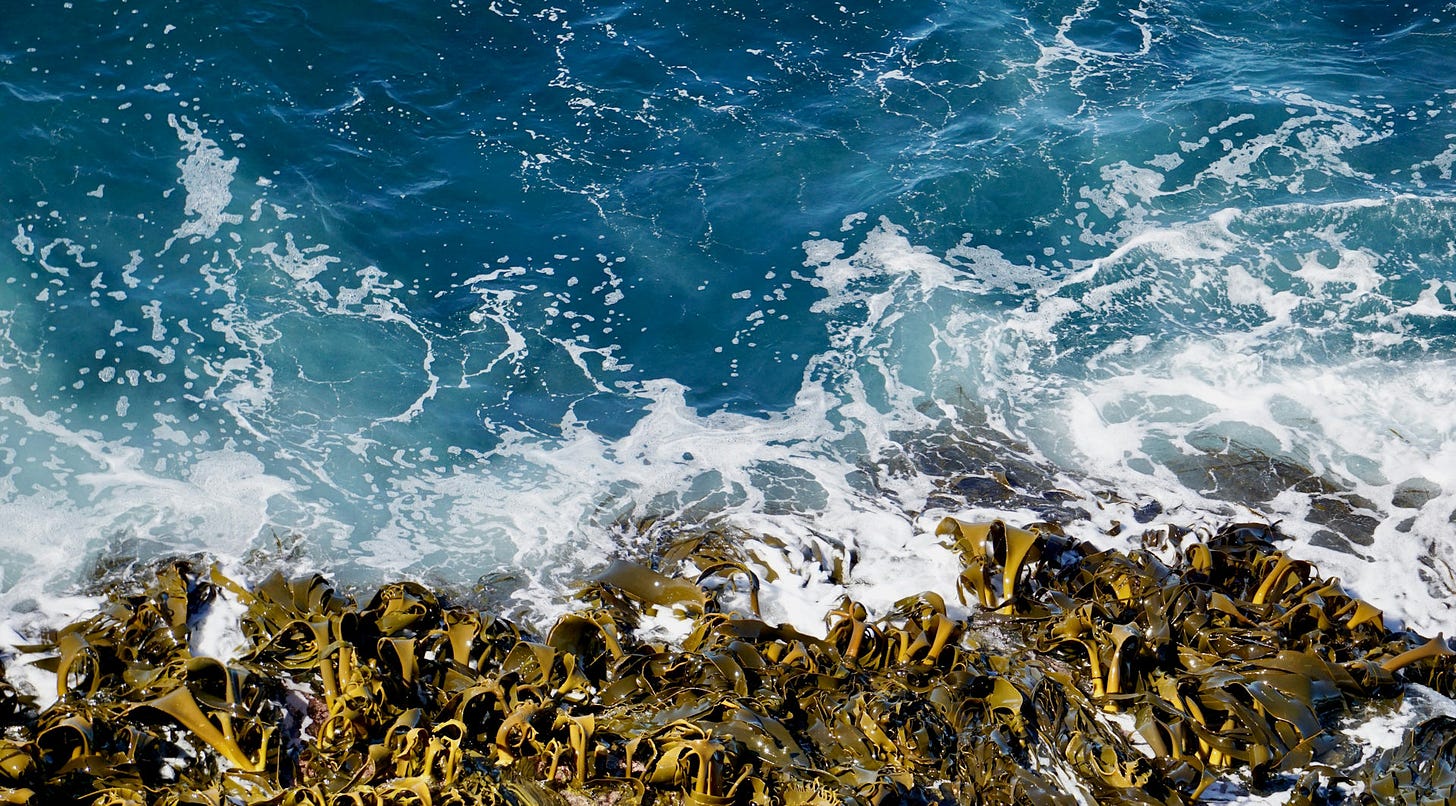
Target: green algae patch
x,y
1100,676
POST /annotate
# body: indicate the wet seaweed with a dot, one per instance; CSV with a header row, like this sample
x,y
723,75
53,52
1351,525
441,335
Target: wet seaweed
x,y
1134,677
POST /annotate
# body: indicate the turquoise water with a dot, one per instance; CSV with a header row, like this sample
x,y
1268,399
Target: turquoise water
x,y
458,288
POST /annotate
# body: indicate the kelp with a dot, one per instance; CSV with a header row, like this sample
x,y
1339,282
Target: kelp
x,y
1080,675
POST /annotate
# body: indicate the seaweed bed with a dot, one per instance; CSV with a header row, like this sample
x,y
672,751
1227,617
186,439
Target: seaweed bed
x,y
1081,676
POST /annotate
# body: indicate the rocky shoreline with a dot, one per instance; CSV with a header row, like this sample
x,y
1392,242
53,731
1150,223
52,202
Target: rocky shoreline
x,y
1080,675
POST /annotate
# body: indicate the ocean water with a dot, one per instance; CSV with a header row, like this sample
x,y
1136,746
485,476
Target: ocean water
x,y
462,290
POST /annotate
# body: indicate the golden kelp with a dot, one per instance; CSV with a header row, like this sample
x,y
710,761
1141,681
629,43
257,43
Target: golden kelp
x,y
1114,675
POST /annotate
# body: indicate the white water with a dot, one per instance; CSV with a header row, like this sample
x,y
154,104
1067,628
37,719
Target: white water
x,y
1290,332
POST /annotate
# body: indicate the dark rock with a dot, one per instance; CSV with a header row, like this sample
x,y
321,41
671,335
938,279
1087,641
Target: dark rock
x,y
1415,493
982,489
1147,510
1346,514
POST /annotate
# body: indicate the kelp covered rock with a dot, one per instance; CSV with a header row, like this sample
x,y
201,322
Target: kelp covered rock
x,y
1116,676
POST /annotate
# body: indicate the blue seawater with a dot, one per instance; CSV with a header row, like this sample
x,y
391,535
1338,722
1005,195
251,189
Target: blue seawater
x,y
457,288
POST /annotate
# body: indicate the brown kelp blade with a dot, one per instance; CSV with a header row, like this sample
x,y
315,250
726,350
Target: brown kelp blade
x,y
648,586
180,704
993,550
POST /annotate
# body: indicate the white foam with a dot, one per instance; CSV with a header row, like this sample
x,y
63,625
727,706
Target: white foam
x,y
219,632
303,265
221,504
24,244
1130,421
206,176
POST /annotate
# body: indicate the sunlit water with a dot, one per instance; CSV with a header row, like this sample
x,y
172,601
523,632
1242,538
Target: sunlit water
x,y
470,289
